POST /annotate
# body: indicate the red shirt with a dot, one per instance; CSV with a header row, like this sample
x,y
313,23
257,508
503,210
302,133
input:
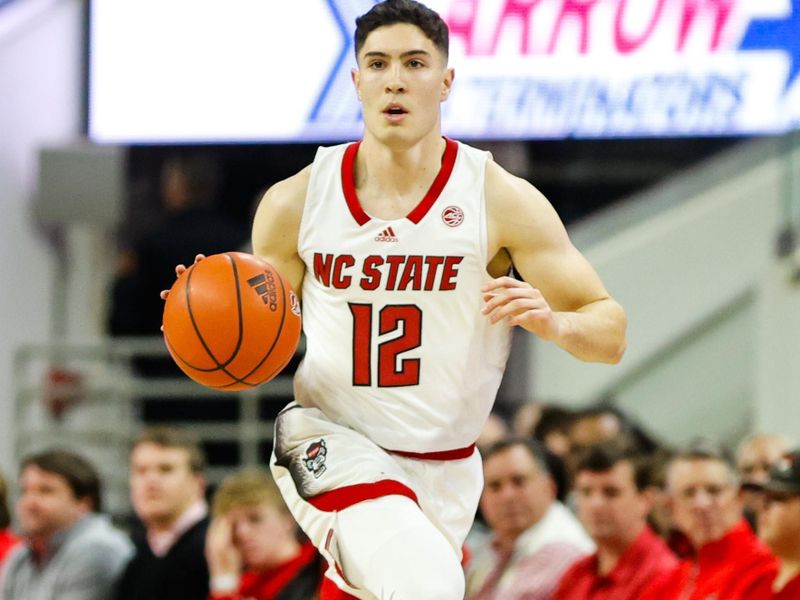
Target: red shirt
x,y
647,558
734,567
266,585
791,591
7,543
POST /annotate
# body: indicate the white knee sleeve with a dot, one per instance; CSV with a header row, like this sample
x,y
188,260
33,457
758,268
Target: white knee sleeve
x,y
389,548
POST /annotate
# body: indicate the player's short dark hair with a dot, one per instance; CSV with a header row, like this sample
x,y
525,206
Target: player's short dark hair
x,y
80,475
392,12
172,437
604,456
534,448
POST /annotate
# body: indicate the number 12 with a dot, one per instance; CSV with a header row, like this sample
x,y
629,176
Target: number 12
x,y
391,317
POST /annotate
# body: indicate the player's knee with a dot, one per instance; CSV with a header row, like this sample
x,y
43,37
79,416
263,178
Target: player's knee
x,y
392,550
432,573
445,582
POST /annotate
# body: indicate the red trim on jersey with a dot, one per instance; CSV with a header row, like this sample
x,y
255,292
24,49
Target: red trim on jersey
x,y
349,184
343,497
456,454
416,215
448,161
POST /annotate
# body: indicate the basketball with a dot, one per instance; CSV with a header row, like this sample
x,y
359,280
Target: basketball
x,y
231,321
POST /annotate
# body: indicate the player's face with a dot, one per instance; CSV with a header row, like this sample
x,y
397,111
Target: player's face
x,y
163,485
610,506
401,80
262,534
779,522
704,498
47,504
516,491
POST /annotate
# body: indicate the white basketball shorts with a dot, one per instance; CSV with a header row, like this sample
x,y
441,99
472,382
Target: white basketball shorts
x,y
323,468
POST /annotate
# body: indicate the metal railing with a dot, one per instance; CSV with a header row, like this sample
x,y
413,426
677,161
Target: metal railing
x,y
87,397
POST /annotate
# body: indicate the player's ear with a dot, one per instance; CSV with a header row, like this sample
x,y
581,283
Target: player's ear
x,y
447,83
355,76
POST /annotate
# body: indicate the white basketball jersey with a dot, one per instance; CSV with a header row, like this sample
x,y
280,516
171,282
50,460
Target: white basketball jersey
x,y
397,347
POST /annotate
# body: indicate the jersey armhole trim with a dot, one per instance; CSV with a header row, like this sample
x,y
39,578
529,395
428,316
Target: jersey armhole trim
x,y
309,198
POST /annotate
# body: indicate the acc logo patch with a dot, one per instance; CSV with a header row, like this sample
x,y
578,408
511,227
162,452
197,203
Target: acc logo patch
x,y
453,216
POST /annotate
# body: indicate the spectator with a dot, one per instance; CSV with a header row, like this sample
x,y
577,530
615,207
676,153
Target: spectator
x,y
660,517
604,421
729,562
534,538
755,456
779,526
613,501
525,418
167,491
7,538
253,549
552,429
593,425
494,429
188,188
71,552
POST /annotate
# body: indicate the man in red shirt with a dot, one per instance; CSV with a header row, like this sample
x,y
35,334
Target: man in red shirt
x,y
730,563
253,550
779,526
7,538
755,457
613,503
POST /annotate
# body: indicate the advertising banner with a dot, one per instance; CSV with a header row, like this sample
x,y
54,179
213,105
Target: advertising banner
x,y
259,70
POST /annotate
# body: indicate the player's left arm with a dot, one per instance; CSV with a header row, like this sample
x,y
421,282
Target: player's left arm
x,y
561,299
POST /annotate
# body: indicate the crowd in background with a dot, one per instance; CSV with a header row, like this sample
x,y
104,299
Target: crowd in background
x,y
576,505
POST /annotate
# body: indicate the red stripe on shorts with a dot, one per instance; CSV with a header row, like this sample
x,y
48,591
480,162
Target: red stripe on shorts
x,y
456,454
342,497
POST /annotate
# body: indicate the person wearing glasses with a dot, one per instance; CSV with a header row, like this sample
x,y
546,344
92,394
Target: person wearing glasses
x,y
779,525
729,561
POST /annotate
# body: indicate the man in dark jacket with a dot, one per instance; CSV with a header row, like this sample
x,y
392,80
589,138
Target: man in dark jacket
x,y
167,491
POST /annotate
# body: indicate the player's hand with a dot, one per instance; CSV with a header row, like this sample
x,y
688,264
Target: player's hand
x,y
179,271
222,555
519,303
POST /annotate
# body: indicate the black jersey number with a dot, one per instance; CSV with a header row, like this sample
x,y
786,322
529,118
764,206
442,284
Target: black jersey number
x,y
392,372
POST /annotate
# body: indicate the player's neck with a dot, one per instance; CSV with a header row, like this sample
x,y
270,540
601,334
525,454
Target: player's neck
x,y
398,169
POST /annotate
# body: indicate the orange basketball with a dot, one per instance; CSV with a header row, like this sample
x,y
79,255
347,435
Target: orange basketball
x,y
231,321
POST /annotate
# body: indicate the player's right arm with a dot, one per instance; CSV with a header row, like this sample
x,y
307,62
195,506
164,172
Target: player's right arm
x,y
277,225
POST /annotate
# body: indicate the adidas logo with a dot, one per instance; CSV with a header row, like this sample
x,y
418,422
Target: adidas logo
x,y
387,235
264,286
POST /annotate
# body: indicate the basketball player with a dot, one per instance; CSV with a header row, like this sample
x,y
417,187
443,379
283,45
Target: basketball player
x,y
401,245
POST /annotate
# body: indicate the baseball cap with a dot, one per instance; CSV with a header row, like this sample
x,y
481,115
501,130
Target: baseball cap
x,y
783,477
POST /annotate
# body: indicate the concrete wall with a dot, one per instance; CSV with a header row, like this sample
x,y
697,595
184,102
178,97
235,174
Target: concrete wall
x,y
714,331
40,79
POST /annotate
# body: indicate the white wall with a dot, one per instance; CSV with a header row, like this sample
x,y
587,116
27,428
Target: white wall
x,y
703,386
714,316
40,79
